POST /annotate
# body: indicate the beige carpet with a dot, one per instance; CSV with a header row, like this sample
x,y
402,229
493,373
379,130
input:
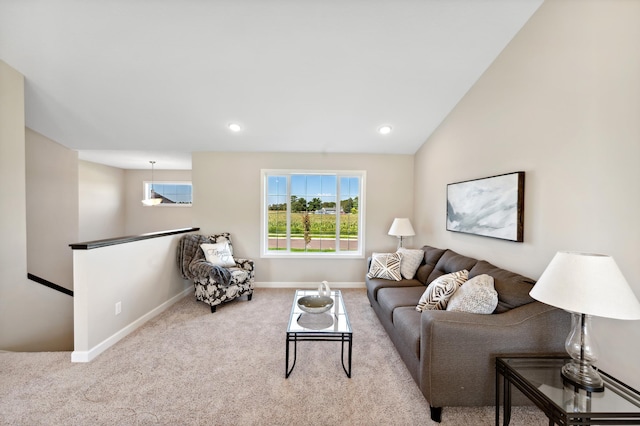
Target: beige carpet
x,y
190,367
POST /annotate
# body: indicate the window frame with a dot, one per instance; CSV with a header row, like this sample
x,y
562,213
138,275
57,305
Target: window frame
x,y
264,214
146,191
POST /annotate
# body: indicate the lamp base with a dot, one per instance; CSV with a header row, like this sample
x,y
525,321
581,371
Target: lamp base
x,y
583,376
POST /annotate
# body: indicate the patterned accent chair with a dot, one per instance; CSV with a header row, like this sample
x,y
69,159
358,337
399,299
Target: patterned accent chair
x,y
214,284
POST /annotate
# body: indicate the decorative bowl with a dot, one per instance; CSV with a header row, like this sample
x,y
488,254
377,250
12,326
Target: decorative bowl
x,y
315,304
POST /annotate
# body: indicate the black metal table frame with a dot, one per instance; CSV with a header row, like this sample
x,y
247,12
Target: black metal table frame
x,y
296,337
554,413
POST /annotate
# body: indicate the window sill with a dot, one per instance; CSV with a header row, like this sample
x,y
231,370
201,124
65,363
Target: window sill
x,y
312,256
170,205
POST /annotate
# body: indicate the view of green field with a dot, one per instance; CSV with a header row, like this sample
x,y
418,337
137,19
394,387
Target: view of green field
x,y
321,225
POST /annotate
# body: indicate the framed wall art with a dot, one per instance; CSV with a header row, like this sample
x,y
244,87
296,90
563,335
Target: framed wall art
x,y
491,207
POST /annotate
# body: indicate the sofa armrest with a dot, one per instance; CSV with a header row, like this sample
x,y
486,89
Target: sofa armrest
x,y
458,349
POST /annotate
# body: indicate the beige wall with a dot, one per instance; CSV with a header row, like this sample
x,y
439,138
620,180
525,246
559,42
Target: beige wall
x,y
101,201
141,219
561,103
52,208
32,317
110,202
227,198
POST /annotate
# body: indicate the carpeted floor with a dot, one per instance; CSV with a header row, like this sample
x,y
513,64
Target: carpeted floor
x,y
190,367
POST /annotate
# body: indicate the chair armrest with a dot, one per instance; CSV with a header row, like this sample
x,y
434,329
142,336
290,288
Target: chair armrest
x,y
247,265
458,349
206,273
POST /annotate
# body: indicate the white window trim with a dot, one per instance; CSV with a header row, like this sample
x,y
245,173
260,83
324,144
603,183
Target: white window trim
x,y
167,182
264,226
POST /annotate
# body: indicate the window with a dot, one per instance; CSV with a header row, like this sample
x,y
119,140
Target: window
x,y
171,193
312,213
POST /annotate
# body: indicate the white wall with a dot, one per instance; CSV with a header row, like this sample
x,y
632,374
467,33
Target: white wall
x,y
101,201
562,103
52,208
142,275
32,317
141,219
227,198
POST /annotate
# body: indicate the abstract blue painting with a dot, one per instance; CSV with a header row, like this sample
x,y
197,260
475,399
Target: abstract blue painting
x,y
491,207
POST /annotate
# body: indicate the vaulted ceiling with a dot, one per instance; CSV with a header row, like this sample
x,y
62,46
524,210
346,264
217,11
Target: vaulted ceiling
x,y
128,81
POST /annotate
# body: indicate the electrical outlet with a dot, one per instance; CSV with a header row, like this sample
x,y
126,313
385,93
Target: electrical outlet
x,y
118,308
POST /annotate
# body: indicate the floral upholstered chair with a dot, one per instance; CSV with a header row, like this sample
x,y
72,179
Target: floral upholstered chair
x,y
217,276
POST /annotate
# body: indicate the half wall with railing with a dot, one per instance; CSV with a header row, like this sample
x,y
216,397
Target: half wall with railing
x,y
119,284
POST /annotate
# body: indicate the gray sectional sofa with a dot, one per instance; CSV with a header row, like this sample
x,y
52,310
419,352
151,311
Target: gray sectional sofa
x,y
451,355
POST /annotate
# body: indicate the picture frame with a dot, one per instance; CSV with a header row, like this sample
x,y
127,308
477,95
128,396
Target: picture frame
x,y
490,207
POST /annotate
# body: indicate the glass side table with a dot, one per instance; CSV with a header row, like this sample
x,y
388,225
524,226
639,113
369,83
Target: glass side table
x,y
539,379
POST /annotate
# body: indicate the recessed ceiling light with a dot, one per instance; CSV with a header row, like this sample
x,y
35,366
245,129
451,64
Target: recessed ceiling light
x,y
384,130
235,127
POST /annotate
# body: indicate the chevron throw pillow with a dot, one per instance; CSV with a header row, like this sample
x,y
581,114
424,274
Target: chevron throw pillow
x,y
437,294
385,265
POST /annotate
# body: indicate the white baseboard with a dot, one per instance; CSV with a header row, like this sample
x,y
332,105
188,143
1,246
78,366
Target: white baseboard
x,y
86,356
310,285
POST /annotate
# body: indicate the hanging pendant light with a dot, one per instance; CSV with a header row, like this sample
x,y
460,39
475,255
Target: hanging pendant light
x,y
153,201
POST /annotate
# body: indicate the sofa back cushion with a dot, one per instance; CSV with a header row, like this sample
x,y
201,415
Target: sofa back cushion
x,y
431,257
449,262
513,289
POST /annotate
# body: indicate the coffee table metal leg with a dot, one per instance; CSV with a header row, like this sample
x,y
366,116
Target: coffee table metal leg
x,y
350,346
346,338
287,370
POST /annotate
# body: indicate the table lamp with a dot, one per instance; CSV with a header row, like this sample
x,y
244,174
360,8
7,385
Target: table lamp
x,y
585,285
401,227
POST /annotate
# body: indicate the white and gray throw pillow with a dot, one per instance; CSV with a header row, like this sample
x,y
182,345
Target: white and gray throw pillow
x,y
385,265
218,254
437,294
476,296
411,260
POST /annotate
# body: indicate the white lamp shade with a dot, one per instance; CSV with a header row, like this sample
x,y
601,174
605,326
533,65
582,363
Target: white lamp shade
x,y
152,201
401,227
589,284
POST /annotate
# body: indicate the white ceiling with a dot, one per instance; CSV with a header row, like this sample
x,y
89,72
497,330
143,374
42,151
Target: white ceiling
x,y
128,81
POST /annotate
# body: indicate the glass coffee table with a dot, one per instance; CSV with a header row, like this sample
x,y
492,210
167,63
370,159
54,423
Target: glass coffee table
x,y
330,326
539,379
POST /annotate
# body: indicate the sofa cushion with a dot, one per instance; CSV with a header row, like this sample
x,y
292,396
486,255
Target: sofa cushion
x,y
406,321
513,289
476,296
385,265
431,257
411,259
375,284
391,298
450,261
437,294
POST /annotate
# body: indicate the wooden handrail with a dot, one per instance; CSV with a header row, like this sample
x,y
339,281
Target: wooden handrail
x,y
50,284
89,245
